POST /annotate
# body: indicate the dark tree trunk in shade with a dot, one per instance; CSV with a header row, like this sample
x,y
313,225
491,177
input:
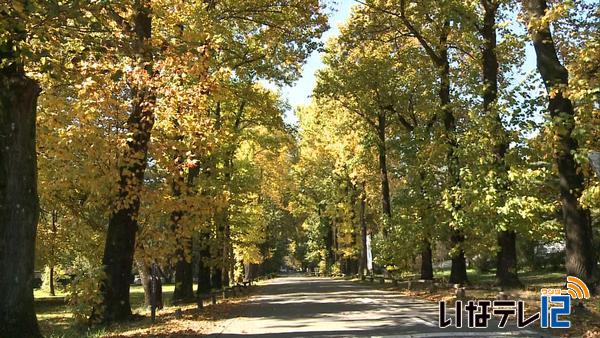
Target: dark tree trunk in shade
x,y
54,216
438,54
506,262
217,251
506,265
426,261
458,272
203,267
226,263
226,254
580,254
426,251
19,206
122,225
329,242
383,172
51,281
184,279
216,281
440,59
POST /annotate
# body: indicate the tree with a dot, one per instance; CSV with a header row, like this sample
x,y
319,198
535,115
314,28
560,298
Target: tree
x,y
338,175
122,224
19,205
487,14
580,258
438,53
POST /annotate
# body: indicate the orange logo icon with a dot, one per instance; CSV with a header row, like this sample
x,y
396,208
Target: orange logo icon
x,y
576,288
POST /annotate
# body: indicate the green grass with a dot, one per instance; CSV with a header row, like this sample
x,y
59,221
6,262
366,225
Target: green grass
x,y
56,320
528,278
540,278
42,293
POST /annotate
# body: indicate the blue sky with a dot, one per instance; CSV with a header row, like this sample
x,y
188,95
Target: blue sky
x,y
299,93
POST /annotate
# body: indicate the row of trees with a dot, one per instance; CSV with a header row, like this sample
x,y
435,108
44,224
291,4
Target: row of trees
x,y
158,141
426,109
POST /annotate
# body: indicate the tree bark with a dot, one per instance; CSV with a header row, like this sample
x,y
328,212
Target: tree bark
x,y
506,263
227,247
217,252
122,225
184,280
54,217
458,272
51,281
216,281
226,253
204,267
580,255
426,252
19,205
426,261
363,232
144,272
439,58
385,184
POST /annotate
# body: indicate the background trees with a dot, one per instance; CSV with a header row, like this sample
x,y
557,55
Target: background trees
x,y
155,134
466,140
130,133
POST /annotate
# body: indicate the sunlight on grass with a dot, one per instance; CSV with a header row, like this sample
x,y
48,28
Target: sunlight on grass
x,y
56,320
44,293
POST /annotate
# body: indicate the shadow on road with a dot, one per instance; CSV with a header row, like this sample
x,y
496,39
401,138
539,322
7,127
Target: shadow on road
x,y
320,307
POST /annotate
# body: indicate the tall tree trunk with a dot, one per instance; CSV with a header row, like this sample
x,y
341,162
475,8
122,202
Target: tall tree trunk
x,y
226,253
122,225
51,281
54,216
203,266
426,252
144,272
506,263
217,252
458,273
506,260
426,261
226,228
385,184
216,281
363,232
203,243
439,58
19,205
580,258
184,280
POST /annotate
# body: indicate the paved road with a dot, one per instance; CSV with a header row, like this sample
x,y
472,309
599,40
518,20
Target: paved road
x,y
320,307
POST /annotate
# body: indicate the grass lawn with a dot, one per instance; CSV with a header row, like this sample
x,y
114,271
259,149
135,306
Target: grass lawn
x,y
56,320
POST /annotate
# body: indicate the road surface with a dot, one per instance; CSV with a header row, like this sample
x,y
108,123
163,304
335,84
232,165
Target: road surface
x,y
299,306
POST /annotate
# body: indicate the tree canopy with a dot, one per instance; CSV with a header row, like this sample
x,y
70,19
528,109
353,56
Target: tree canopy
x,y
148,133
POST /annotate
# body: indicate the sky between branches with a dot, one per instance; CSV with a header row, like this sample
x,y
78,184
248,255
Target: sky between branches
x,y
299,93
